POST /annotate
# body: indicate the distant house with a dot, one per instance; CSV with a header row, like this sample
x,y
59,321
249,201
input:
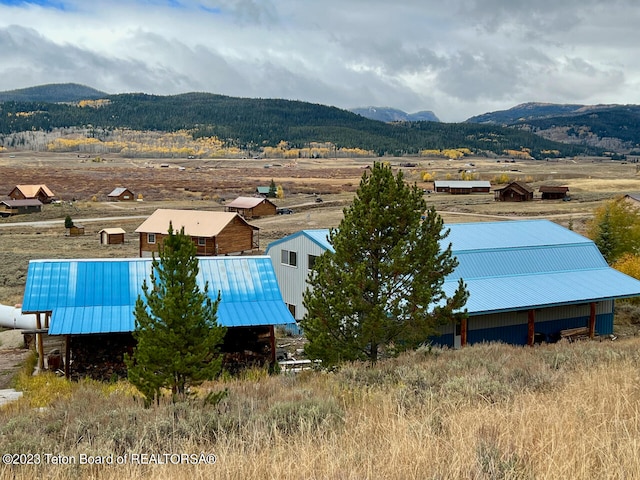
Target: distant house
x,y
32,192
213,233
121,194
111,236
17,207
550,192
514,192
263,191
252,207
462,187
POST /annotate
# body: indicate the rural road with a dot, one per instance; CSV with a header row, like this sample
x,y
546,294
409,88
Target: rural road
x,y
52,223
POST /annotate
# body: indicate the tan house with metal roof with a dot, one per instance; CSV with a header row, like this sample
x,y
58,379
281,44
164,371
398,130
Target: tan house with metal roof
x,y
213,233
252,207
29,192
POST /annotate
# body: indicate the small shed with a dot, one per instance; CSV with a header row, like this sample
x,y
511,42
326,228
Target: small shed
x,y
76,230
514,192
111,236
16,207
252,207
121,194
550,192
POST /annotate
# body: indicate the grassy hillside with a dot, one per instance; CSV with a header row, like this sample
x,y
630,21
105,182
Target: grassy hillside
x,y
483,412
251,124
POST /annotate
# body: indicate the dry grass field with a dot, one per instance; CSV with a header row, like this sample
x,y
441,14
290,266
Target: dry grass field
x,y
483,412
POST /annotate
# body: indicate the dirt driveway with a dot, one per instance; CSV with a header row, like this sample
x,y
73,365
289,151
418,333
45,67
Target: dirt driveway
x,y
12,356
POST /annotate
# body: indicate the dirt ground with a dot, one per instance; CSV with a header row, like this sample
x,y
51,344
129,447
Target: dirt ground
x,y
83,185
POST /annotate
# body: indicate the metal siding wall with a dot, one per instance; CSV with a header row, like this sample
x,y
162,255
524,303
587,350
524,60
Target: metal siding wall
x,y
517,334
293,280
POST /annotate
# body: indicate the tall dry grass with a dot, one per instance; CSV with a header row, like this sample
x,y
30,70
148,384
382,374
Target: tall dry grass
x,y
484,412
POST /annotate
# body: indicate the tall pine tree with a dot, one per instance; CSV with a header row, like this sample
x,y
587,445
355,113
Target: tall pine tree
x,y
176,331
382,287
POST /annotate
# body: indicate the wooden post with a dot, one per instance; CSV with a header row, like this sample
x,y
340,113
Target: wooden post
x,y
592,320
67,355
463,332
272,342
531,327
39,342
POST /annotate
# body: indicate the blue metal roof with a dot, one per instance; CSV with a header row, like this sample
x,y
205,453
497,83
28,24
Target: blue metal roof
x,y
522,264
518,265
98,296
319,236
509,234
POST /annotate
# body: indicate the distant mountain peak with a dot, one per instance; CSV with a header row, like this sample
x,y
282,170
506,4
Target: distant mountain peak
x,y
390,114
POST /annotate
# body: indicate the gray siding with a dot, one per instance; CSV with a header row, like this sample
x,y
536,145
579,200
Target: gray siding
x,y
293,280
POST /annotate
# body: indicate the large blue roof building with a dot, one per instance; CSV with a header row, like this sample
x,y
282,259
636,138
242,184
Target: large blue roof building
x,y
524,278
84,297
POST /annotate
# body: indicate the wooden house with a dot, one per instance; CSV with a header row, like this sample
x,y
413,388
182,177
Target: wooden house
x,y
32,192
252,207
550,192
462,187
111,236
17,207
121,194
514,192
213,233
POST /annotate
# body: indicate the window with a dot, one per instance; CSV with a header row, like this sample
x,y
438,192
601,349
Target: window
x,y
151,238
202,241
292,309
289,258
311,260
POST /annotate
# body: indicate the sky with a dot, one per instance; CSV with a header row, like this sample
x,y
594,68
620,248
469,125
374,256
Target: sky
x,y
457,58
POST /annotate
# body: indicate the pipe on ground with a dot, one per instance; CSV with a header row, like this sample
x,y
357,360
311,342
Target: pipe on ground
x,y
12,317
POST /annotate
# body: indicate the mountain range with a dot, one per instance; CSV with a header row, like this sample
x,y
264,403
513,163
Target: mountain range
x,y
388,114
568,129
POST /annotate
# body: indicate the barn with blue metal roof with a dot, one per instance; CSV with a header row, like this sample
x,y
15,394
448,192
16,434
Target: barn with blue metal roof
x,y
97,296
527,280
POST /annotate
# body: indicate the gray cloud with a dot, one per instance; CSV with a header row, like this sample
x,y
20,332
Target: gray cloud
x,y
458,58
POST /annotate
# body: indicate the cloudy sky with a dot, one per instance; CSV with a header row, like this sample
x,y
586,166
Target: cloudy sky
x,y
457,58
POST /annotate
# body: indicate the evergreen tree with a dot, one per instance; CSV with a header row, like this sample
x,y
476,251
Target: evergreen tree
x,y
273,190
68,222
382,286
176,325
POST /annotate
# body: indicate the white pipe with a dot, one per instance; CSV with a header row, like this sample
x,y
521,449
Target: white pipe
x,y
12,317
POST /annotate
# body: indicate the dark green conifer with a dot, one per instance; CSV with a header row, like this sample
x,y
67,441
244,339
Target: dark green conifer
x,y
382,287
177,333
